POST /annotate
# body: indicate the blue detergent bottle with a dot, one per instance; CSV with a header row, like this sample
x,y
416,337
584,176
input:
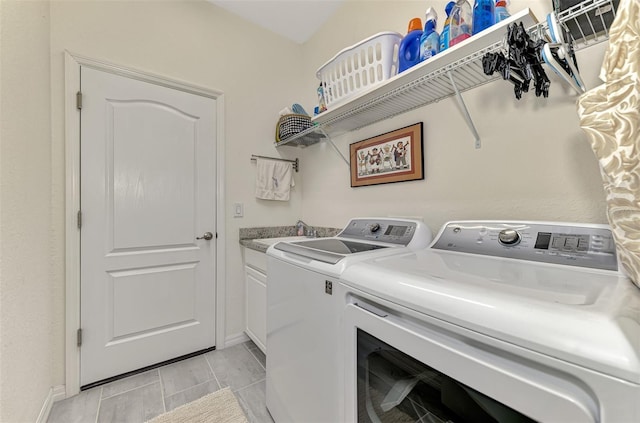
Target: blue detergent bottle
x,y
483,15
430,39
409,51
444,36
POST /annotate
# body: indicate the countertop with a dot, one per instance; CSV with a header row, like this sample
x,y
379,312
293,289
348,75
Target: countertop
x,y
260,238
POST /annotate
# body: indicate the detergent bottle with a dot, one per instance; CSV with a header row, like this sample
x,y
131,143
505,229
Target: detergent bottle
x,y
409,52
430,40
501,11
444,36
483,15
460,25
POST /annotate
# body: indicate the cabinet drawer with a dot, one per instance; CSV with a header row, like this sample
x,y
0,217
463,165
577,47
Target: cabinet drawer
x,y
255,259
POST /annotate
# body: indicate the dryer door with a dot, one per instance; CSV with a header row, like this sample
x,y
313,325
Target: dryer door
x,y
399,369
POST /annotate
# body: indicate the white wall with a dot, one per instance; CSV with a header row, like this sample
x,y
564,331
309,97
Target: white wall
x,y
204,45
27,345
535,162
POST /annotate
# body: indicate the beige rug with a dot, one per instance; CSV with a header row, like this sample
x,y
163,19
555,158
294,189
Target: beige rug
x,y
218,407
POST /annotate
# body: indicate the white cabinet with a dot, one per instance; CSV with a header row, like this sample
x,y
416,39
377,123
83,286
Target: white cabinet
x,y
255,276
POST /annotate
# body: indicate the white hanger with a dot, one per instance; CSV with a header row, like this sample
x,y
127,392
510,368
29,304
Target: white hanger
x,y
556,55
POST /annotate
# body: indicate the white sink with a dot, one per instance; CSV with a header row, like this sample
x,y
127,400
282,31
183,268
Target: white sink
x,y
270,241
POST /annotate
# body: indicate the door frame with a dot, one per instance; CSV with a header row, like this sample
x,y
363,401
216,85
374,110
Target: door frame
x,y
72,63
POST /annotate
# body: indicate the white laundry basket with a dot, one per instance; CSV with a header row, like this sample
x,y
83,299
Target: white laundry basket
x,y
359,67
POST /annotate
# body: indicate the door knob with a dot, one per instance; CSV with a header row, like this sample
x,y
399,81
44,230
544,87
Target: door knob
x,y
206,235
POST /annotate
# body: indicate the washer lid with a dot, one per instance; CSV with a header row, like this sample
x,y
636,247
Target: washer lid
x,y
583,316
328,250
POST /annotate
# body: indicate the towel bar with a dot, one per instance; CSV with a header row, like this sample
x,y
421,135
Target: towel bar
x,y
295,162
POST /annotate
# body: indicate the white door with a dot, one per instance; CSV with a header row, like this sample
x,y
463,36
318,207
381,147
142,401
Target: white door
x,y
147,192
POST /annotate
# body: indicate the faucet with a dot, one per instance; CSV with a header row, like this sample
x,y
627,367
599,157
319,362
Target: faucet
x,y
304,229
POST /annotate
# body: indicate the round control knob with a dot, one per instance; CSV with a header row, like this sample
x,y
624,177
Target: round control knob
x,y
375,227
509,237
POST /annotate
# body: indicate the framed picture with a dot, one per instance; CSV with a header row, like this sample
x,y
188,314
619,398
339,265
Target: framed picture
x,y
396,156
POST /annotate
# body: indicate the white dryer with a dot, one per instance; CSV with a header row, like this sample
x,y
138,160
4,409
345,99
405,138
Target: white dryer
x,y
495,321
304,355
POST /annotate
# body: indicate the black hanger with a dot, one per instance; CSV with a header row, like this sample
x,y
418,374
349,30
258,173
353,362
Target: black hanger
x,y
523,64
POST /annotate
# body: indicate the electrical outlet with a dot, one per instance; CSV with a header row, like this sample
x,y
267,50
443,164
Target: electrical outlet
x,y
238,210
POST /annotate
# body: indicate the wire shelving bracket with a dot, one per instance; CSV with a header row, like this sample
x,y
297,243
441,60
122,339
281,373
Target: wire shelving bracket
x,y
465,112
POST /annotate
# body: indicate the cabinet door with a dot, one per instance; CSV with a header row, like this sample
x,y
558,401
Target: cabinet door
x,y
256,307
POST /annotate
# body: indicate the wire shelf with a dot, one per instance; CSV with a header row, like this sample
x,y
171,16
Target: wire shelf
x,y
433,80
588,22
305,138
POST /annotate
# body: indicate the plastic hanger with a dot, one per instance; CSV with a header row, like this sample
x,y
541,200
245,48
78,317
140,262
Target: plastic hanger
x,y
559,55
521,64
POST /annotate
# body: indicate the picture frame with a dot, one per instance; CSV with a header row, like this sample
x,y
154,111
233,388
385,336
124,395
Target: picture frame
x,y
395,156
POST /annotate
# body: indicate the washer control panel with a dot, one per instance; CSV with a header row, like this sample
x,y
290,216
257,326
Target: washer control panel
x,y
562,243
405,232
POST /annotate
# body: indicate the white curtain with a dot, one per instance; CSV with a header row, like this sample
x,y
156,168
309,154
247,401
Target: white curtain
x,y
610,115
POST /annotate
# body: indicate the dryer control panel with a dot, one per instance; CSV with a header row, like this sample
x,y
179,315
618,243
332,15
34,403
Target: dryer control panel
x,y
558,243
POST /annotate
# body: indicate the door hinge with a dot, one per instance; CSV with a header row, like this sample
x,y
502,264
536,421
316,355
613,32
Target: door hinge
x,y
216,235
79,100
79,219
80,337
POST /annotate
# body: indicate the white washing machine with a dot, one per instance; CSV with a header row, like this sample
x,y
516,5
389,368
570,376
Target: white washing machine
x,y
494,322
304,355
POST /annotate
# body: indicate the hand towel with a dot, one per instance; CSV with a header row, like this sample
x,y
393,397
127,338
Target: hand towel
x,y
274,179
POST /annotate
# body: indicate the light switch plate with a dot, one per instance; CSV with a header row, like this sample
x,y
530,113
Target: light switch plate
x,y
238,210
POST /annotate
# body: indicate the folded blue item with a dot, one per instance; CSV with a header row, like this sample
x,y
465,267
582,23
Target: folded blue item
x,y
298,109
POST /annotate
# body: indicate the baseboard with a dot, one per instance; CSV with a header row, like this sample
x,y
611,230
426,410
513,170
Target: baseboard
x,y
236,339
56,393
59,393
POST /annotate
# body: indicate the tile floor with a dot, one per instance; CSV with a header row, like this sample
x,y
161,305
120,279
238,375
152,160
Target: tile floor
x,y
139,398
